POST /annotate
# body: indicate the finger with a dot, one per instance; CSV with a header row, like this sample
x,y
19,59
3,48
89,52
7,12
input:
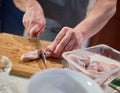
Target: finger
x,y
27,24
58,38
34,30
26,20
70,45
41,30
60,47
28,28
38,29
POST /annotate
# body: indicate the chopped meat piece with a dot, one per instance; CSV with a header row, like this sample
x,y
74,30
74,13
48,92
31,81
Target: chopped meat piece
x,y
32,55
104,67
96,67
82,61
47,52
50,53
113,66
93,67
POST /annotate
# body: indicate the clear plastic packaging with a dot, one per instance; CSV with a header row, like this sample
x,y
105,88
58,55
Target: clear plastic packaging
x,y
100,53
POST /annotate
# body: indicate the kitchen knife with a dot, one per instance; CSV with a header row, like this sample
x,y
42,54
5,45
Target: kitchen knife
x,y
39,46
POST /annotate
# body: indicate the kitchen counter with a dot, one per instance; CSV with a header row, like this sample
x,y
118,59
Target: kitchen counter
x,y
13,47
20,85
13,84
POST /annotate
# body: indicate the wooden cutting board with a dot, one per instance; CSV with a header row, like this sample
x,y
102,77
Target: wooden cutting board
x,y
14,46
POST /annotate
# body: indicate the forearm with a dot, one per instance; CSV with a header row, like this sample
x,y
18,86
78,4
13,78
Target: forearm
x,y
100,14
24,5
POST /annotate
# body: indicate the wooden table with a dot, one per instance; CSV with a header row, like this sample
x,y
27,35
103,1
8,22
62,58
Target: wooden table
x,y
14,46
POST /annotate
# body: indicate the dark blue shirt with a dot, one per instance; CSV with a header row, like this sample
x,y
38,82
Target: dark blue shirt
x,y
11,18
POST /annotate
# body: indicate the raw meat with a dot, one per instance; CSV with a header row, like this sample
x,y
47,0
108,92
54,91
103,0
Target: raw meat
x,y
47,52
32,55
94,67
101,67
82,61
104,67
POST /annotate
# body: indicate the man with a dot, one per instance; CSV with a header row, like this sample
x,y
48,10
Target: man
x,y
69,38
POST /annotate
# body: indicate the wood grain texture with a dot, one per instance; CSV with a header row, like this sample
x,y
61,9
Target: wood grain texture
x,y
14,46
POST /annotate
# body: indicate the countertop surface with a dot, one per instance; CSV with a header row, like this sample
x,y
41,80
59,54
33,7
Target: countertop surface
x,y
13,47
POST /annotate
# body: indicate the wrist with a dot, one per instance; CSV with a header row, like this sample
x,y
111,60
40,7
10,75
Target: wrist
x,y
31,3
80,29
24,5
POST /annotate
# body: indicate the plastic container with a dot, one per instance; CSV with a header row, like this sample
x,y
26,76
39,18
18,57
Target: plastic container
x,y
100,53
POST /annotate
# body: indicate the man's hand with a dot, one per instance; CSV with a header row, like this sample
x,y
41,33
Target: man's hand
x,y
34,20
68,39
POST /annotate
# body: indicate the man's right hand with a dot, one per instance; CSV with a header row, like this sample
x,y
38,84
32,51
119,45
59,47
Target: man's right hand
x,y
34,20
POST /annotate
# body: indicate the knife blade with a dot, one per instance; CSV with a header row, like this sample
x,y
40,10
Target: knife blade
x,y
39,46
